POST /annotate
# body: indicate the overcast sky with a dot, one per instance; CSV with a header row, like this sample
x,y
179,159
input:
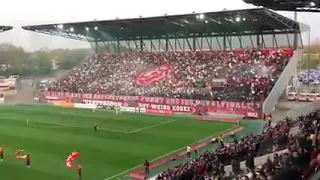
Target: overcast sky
x,y
30,12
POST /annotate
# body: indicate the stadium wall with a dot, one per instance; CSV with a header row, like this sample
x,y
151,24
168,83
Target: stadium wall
x,y
280,86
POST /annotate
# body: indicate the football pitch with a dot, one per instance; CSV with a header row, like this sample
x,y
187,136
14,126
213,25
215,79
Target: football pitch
x,y
121,144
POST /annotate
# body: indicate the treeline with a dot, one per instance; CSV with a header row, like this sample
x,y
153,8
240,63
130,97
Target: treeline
x,y
15,60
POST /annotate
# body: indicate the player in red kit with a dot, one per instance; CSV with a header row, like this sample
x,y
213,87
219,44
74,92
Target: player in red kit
x,y
1,154
79,169
28,160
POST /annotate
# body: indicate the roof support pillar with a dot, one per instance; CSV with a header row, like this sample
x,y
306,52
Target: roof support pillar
x,y
167,42
194,43
141,44
118,46
188,43
224,42
258,41
96,45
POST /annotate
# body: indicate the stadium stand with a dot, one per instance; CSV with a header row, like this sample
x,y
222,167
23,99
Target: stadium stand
x,y
285,5
165,58
302,151
228,57
192,75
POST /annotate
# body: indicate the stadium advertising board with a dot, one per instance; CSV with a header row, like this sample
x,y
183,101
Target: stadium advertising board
x,y
1,99
85,106
7,84
248,109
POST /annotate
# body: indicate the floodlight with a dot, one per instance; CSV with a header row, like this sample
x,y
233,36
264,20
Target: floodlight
x,y
60,26
243,19
201,16
87,29
206,21
312,4
96,28
238,19
71,29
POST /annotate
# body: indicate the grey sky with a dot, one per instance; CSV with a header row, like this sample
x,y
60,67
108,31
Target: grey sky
x,y
17,13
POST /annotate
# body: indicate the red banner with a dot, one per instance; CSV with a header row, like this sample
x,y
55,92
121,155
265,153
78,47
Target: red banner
x,y
248,109
153,75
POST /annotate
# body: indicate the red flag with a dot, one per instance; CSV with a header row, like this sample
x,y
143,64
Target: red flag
x,y
71,158
153,75
20,156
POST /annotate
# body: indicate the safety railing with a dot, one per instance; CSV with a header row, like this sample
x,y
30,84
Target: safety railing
x,y
280,86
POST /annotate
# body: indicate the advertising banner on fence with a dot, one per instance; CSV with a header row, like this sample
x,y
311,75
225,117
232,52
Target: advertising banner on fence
x,y
85,106
248,109
63,103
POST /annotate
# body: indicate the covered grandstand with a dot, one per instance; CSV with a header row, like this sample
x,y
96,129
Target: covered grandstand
x,y
253,48
5,28
285,5
198,31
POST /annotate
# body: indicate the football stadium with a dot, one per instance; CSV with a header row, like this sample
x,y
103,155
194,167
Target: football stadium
x,y
188,97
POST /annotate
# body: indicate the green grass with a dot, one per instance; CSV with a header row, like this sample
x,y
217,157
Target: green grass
x,y
122,142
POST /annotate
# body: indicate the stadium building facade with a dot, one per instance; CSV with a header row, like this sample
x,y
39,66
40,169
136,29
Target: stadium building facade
x,y
237,30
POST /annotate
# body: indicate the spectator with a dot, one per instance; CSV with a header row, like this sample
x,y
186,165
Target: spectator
x,y
301,155
246,75
250,162
235,164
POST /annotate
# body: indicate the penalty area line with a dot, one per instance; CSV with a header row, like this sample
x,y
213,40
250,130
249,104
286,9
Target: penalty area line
x,y
170,153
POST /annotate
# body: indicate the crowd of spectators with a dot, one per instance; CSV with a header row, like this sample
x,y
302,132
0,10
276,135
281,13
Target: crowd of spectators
x,y
243,75
302,158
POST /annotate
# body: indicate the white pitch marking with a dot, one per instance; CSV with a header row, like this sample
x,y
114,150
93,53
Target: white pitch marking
x,y
167,154
152,126
103,129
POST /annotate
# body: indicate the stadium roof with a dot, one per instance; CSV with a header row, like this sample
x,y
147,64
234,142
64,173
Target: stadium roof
x,y
222,23
288,5
5,28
